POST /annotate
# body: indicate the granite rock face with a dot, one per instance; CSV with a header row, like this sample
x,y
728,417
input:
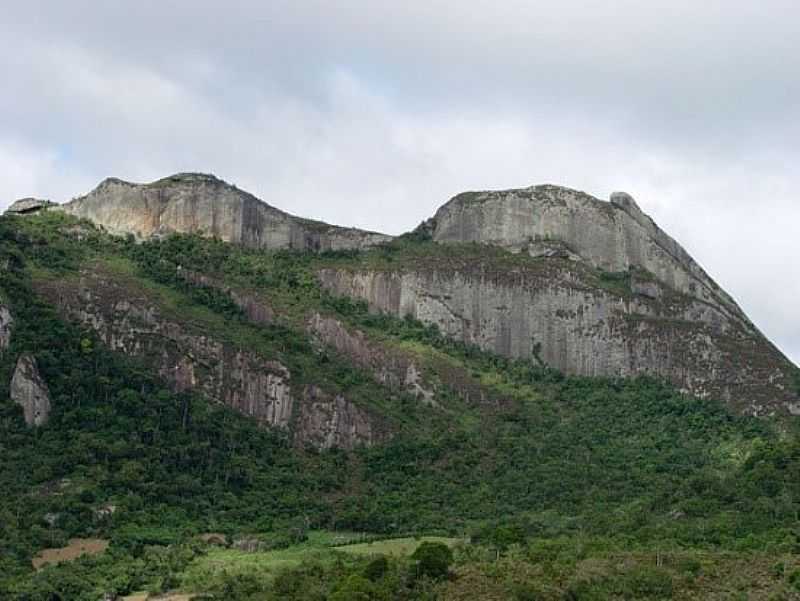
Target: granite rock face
x,y
330,421
613,236
30,391
129,322
390,367
556,312
6,324
203,204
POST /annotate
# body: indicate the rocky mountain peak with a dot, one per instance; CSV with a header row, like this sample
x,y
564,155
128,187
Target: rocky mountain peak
x,y
204,204
614,236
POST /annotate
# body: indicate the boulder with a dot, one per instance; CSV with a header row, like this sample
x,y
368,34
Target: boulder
x,y
26,206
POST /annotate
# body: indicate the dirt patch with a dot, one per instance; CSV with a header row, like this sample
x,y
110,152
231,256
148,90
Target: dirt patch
x,y
214,538
77,547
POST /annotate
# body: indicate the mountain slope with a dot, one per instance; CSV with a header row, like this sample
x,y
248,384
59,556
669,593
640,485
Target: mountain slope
x,y
588,287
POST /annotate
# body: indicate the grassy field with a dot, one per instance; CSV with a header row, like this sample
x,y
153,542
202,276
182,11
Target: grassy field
x,y
396,547
321,546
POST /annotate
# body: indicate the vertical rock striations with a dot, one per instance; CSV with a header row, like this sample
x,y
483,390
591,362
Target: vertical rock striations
x,y
129,322
613,236
202,204
30,391
6,323
604,292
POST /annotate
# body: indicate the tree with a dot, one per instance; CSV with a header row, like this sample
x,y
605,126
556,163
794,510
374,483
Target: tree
x,y
433,560
376,568
354,588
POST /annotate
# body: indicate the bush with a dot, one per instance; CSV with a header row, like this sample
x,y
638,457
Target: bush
x,y
690,566
794,580
433,560
639,583
376,568
354,588
526,592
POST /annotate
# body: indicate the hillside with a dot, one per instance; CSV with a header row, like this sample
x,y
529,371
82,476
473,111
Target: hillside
x,y
547,402
589,287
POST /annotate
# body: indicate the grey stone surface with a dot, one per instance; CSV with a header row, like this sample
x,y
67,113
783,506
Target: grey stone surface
x,y
614,236
203,204
579,328
25,206
30,391
6,324
390,367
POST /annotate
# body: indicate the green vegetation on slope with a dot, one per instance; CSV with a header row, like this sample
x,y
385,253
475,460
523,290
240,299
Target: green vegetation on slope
x,y
606,466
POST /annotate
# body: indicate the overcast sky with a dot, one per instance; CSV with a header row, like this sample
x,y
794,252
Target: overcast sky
x,y
375,113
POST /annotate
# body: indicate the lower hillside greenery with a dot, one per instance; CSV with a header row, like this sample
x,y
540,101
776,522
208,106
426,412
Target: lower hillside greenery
x,y
577,488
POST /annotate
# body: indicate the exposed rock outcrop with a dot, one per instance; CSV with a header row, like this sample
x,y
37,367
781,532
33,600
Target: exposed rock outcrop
x,y
555,311
400,369
393,368
614,236
26,206
203,204
330,421
389,366
129,322
6,323
30,391
254,308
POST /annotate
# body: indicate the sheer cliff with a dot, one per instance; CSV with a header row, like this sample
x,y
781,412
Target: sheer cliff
x,y
596,289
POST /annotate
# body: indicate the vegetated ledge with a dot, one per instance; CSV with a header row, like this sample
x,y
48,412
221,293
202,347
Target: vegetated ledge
x,y
129,320
581,328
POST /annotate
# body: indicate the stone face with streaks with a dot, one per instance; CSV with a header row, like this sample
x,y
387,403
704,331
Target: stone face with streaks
x,y
604,293
30,391
613,236
127,321
202,204
6,324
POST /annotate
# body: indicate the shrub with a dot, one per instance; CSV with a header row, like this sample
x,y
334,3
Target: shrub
x,y
354,588
433,559
794,580
376,568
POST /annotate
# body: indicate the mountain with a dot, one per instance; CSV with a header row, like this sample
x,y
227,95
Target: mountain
x,y
203,204
545,375
596,289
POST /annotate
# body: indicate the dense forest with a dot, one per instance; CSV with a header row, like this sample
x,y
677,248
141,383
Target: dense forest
x,y
566,470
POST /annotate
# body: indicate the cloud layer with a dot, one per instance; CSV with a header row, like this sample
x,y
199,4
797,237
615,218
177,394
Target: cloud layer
x,y
375,113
